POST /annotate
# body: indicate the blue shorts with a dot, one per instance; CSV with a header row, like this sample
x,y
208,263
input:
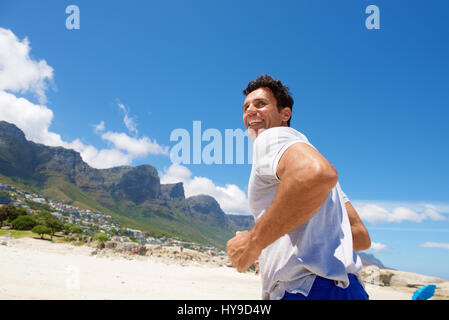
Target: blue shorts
x,y
325,289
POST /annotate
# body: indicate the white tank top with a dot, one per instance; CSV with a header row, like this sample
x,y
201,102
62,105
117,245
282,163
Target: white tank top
x,y
322,246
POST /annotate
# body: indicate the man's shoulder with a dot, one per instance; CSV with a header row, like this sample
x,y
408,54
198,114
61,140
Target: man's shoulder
x,y
280,135
270,145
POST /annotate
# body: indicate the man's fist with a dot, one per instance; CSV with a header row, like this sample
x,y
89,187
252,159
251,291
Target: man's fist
x,y
242,251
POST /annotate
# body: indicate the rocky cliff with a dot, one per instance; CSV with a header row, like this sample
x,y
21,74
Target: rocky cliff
x,y
133,192
405,281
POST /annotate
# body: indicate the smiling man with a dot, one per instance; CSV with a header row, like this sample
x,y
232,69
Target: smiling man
x,y
306,232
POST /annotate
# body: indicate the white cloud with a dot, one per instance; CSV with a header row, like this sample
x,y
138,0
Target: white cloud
x,y
435,245
105,158
372,213
98,128
230,197
33,119
418,229
18,72
377,212
175,173
129,122
400,214
134,146
100,159
433,214
376,246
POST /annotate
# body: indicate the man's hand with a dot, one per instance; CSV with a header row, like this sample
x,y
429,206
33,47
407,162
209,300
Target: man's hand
x,y
360,236
306,178
242,250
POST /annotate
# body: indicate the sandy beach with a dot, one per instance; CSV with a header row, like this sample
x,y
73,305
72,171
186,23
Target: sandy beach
x,y
39,269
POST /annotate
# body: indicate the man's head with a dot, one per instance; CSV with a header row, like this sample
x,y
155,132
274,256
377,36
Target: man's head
x,y
267,104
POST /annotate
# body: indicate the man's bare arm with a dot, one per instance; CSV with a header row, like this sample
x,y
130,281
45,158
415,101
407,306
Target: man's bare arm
x,y
306,179
360,236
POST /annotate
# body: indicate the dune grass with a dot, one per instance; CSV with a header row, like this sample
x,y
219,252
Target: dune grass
x,y
19,233
16,234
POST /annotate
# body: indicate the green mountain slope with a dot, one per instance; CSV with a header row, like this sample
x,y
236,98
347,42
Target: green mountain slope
x,y
133,195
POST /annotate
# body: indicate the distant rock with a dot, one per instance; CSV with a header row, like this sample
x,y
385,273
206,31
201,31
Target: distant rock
x,y
404,280
205,204
369,259
126,247
139,184
207,209
134,192
20,158
374,275
111,244
239,222
173,190
412,280
11,131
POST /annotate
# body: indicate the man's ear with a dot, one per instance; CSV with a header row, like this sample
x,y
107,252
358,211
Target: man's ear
x,y
286,114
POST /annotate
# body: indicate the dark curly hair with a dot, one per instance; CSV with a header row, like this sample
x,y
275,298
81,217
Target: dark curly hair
x,y
280,92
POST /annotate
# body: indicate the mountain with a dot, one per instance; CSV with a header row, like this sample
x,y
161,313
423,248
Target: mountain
x,y
369,260
134,195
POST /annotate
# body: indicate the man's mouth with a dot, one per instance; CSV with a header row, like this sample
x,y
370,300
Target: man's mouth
x,y
254,122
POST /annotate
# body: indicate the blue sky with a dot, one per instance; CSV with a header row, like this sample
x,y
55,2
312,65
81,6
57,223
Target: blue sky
x,y
373,102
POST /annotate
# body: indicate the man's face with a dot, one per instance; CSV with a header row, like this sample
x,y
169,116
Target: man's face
x,y
260,111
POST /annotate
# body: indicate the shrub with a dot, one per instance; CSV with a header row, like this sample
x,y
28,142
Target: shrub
x,y
101,237
72,228
47,219
40,229
24,223
10,213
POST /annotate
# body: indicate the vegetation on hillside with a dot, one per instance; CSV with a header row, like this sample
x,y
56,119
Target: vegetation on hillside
x,y
132,195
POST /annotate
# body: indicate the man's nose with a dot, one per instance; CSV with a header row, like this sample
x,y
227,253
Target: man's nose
x,y
251,109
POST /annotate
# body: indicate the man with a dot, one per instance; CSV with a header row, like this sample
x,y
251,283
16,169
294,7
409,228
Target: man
x,y
306,230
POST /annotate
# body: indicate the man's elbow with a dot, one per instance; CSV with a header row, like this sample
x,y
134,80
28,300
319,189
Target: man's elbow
x,y
362,241
368,244
362,246
327,175
366,241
